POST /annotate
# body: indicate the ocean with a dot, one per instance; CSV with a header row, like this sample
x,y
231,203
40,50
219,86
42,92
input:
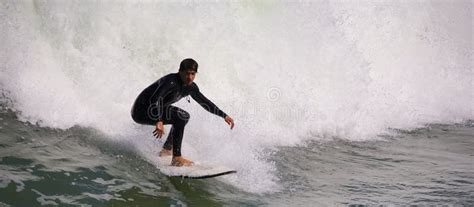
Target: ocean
x,y
336,103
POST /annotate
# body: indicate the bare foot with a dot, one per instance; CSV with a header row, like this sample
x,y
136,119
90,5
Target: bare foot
x,y
165,152
180,161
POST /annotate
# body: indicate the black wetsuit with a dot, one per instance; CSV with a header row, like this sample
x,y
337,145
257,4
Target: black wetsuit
x,y
154,104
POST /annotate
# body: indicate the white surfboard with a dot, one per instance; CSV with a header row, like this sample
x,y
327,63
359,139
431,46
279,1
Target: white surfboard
x,y
196,171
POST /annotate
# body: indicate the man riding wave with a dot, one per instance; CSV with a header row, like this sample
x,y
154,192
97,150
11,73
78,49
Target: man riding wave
x,y
153,107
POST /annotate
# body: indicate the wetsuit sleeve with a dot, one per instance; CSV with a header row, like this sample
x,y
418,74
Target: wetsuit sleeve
x,y
206,103
163,88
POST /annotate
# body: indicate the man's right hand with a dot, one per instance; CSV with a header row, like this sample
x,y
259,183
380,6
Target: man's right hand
x,y
160,130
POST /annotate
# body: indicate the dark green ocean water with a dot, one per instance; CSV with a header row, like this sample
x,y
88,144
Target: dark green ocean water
x,y
82,167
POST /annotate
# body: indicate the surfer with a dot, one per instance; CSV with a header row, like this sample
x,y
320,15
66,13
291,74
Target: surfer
x,y
153,107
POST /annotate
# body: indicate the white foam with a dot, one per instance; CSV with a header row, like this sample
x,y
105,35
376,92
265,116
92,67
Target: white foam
x,y
287,72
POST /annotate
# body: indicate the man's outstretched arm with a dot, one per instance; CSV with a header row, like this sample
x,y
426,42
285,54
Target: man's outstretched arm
x,y
211,107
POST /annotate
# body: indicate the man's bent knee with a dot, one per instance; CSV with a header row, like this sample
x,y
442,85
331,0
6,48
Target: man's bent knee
x,y
183,116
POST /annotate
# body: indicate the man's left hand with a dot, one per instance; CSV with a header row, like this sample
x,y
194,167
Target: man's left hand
x,y
229,121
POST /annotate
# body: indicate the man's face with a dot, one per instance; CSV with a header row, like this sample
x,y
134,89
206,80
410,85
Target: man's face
x,y
187,76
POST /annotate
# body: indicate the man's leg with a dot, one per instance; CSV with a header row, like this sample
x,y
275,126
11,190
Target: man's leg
x,y
175,116
168,146
178,118
169,141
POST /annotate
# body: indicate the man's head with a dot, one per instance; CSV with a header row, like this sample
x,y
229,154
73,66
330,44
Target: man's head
x,y
187,70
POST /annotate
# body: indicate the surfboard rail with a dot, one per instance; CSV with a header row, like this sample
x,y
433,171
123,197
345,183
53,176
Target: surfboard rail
x,y
205,176
196,171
